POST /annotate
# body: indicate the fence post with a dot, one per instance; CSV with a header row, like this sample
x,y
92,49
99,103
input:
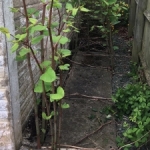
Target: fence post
x,y
138,29
146,39
131,17
10,122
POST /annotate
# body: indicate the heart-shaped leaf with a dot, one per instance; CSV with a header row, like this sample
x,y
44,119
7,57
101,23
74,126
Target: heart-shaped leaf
x,y
49,75
63,40
39,87
59,95
45,64
65,52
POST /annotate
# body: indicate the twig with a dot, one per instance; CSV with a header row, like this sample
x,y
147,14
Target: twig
x,y
75,147
103,100
95,143
87,65
93,132
92,97
134,141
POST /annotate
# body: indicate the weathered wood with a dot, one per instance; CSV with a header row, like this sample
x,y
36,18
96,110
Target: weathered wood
x,y
131,17
138,29
146,37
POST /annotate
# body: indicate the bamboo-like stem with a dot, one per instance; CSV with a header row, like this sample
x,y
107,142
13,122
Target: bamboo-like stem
x,y
54,136
32,80
111,47
43,85
59,114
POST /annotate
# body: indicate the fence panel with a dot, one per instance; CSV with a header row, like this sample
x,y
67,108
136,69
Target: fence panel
x,y
146,37
138,29
141,28
132,17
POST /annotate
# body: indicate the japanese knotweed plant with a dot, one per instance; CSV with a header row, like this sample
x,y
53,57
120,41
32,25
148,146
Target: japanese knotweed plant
x,y
133,102
107,13
34,39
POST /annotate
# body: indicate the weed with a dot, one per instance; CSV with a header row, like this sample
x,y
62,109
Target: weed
x,y
133,101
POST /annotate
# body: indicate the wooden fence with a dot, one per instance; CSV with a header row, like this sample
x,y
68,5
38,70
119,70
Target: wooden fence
x,y
139,26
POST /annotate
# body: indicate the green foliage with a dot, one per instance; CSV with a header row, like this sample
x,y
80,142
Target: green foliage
x,y
103,16
124,13
133,101
65,105
58,96
34,34
5,31
49,75
108,13
134,69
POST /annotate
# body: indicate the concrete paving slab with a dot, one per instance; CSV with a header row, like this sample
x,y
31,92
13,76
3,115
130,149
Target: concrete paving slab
x,y
85,114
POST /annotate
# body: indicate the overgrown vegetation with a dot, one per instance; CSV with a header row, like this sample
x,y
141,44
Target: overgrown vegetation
x,y
33,42
104,16
132,102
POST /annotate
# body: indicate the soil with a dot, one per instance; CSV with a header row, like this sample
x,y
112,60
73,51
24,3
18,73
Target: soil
x,y
89,87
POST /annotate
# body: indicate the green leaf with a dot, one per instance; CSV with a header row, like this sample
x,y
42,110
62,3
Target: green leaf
x,y
37,28
137,144
20,58
43,130
54,24
14,47
105,13
84,9
111,1
44,116
65,52
37,39
39,87
55,38
31,11
115,47
63,40
65,106
24,51
14,10
106,2
33,20
59,95
46,33
45,64
66,30
69,6
74,11
43,1
56,58
57,5
64,67
49,75
60,39
21,37
5,31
